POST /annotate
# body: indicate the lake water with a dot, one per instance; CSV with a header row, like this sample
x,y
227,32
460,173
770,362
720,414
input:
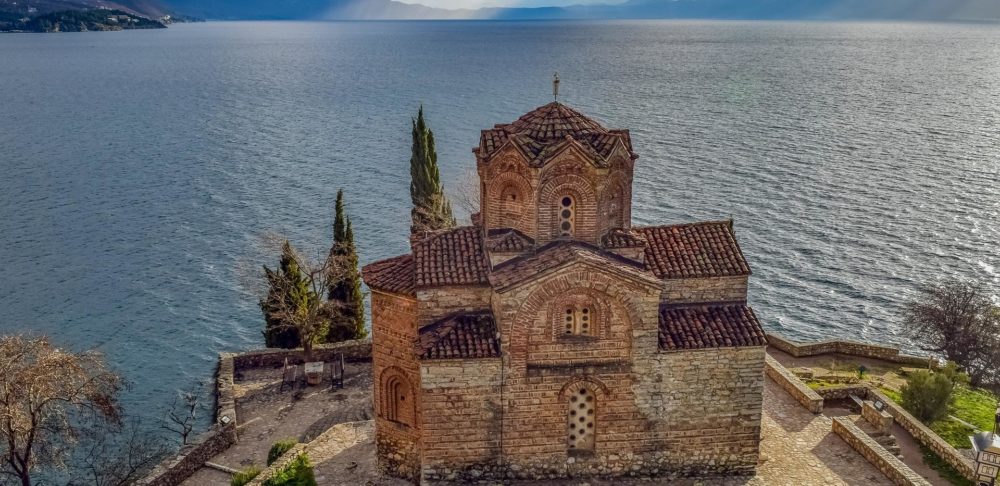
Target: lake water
x,y
139,168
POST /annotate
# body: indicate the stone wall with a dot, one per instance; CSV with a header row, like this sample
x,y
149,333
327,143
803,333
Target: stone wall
x,y
889,464
925,436
850,348
842,392
438,302
696,290
880,420
704,408
191,457
280,463
461,429
355,351
787,380
394,331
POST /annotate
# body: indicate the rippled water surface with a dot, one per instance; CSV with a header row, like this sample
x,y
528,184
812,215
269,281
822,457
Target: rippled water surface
x,y
139,168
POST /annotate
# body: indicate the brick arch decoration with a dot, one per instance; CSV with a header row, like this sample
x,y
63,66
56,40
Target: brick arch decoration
x,y
583,194
579,382
618,186
583,278
402,412
500,213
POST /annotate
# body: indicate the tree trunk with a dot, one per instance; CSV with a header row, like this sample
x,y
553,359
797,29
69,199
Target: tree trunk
x,y
307,351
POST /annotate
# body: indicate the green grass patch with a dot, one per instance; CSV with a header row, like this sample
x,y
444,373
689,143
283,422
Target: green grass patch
x,y
946,471
973,406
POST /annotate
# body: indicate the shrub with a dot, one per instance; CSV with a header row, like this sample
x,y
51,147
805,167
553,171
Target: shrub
x,y
297,473
927,395
279,448
244,476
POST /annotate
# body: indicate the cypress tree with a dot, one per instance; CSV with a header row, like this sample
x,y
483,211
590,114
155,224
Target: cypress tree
x,y
285,286
349,323
431,209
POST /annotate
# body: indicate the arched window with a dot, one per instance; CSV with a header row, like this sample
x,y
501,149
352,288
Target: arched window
x,y
578,321
581,421
567,216
397,402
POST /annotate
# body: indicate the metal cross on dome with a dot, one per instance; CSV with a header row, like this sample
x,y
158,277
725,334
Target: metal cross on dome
x,y
555,86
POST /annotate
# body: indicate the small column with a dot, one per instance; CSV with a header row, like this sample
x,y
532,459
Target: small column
x,y
881,420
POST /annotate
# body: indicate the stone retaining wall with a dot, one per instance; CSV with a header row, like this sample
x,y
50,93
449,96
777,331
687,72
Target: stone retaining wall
x,y
354,351
787,380
191,457
843,392
890,465
279,464
223,433
925,436
850,348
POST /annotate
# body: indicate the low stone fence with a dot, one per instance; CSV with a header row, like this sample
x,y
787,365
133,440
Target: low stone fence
x,y
843,392
354,351
850,348
191,457
793,385
331,442
890,465
925,436
279,464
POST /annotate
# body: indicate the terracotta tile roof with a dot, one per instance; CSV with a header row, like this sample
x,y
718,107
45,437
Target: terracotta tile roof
x,y
394,275
451,257
717,326
462,336
543,130
508,240
622,238
558,253
695,250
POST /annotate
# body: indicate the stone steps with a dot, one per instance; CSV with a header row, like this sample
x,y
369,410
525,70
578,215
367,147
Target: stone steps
x,y
887,441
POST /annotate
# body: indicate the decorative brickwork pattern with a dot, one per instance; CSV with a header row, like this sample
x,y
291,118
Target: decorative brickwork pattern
x,y
552,340
557,254
705,326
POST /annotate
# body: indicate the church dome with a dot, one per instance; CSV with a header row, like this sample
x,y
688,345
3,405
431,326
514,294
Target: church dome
x,y
539,131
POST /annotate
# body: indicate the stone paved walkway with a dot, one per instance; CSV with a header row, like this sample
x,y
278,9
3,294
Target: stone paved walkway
x,y
799,448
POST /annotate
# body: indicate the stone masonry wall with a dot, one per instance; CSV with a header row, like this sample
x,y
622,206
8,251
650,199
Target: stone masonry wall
x,y
850,348
925,436
461,419
890,465
787,380
438,302
705,408
394,330
191,457
695,290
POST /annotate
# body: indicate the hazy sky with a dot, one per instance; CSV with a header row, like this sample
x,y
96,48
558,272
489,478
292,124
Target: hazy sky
x,y
454,4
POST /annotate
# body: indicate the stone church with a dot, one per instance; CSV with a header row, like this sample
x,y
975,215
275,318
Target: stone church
x,y
554,339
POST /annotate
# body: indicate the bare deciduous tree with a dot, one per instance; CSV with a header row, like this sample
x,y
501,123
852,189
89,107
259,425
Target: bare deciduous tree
x,y
118,456
959,319
468,191
302,305
182,416
48,397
